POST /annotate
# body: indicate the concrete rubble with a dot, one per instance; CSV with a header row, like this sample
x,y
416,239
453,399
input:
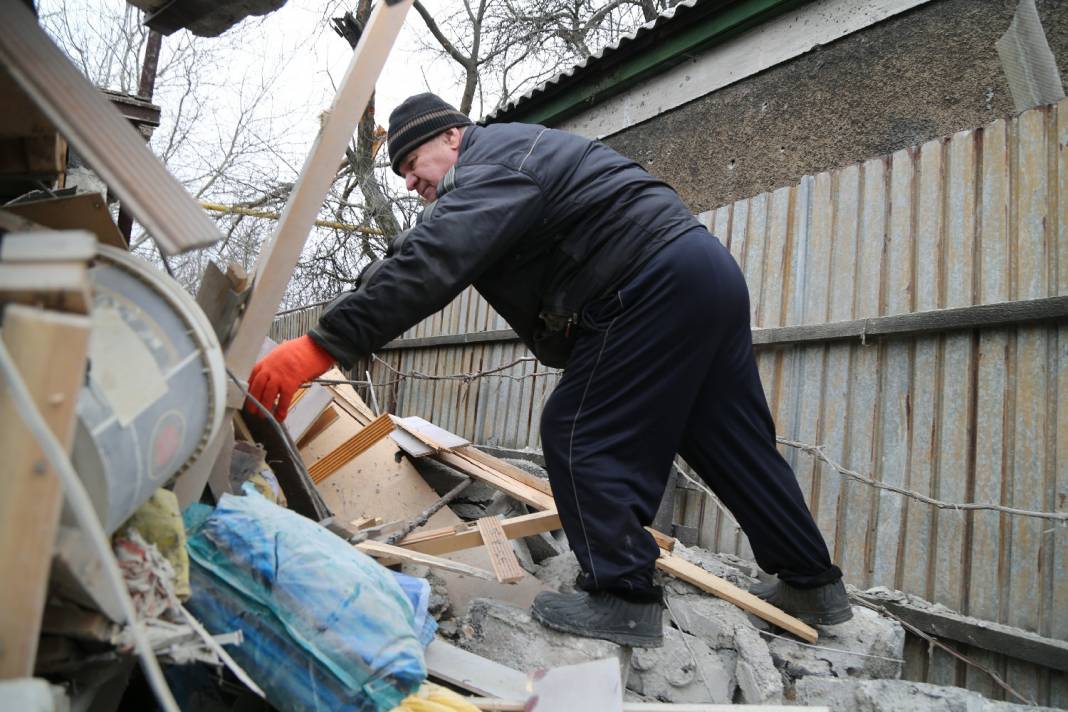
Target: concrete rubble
x,y
716,653
897,696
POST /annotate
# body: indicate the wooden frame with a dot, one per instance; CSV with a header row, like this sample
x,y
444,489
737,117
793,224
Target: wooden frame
x,y
50,350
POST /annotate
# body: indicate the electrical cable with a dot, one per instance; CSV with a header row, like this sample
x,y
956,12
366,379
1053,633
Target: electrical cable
x,y
78,499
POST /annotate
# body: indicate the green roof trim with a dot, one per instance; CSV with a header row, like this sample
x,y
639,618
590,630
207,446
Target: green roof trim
x,y
591,84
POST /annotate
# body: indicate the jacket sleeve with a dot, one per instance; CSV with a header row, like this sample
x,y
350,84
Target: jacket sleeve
x,y
471,227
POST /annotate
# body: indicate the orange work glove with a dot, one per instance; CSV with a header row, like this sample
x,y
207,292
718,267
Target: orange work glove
x,y
279,374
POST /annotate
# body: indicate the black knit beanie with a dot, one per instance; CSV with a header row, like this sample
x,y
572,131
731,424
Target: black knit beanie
x,y
418,119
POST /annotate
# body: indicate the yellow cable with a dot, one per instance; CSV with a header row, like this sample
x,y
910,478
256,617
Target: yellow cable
x,y
267,214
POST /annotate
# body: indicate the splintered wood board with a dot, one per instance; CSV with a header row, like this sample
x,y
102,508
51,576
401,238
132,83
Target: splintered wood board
x,y
502,555
448,539
395,553
376,485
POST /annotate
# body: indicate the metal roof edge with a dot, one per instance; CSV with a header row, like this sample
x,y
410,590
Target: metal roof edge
x,y
652,49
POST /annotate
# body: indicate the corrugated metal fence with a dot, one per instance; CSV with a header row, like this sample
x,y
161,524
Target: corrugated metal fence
x,y
964,415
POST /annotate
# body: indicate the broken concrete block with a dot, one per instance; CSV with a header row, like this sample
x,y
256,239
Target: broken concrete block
x,y
722,625
868,647
684,671
559,572
896,696
509,636
759,681
711,619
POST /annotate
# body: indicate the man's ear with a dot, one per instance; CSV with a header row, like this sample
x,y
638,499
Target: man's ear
x,y
453,136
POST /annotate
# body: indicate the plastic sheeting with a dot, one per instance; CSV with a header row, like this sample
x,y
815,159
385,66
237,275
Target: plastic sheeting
x,y
325,626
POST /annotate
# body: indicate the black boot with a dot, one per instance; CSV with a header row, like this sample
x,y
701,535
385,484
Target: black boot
x,y
601,615
823,605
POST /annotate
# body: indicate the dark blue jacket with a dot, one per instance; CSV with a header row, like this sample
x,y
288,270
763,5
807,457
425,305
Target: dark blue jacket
x,y
542,222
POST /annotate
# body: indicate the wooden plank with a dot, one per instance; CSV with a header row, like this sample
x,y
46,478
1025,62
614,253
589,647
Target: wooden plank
x,y
502,555
365,522
376,484
48,246
524,493
380,550
101,135
505,468
1006,640
278,258
429,434
57,285
473,672
351,449
49,350
693,574
449,539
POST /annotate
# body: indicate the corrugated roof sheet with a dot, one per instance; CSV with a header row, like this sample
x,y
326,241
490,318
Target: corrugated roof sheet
x,y
617,49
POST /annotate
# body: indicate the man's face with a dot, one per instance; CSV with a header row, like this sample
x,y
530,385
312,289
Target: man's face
x,y
428,163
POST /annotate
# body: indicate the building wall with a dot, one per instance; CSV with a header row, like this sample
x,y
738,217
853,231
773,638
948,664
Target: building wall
x,y
925,73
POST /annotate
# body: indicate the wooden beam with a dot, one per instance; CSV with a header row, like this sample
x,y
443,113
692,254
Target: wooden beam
x,y
349,450
523,492
473,672
691,573
505,468
278,258
49,349
450,539
501,553
56,285
396,553
101,135
988,635
48,246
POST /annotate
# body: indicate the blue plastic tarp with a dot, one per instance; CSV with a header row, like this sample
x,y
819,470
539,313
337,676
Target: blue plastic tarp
x,y
316,602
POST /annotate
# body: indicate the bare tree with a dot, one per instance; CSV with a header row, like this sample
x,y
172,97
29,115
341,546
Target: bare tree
x,y
505,47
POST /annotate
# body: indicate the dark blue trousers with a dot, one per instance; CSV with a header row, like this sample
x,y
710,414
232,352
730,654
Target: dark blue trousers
x,y
665,366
